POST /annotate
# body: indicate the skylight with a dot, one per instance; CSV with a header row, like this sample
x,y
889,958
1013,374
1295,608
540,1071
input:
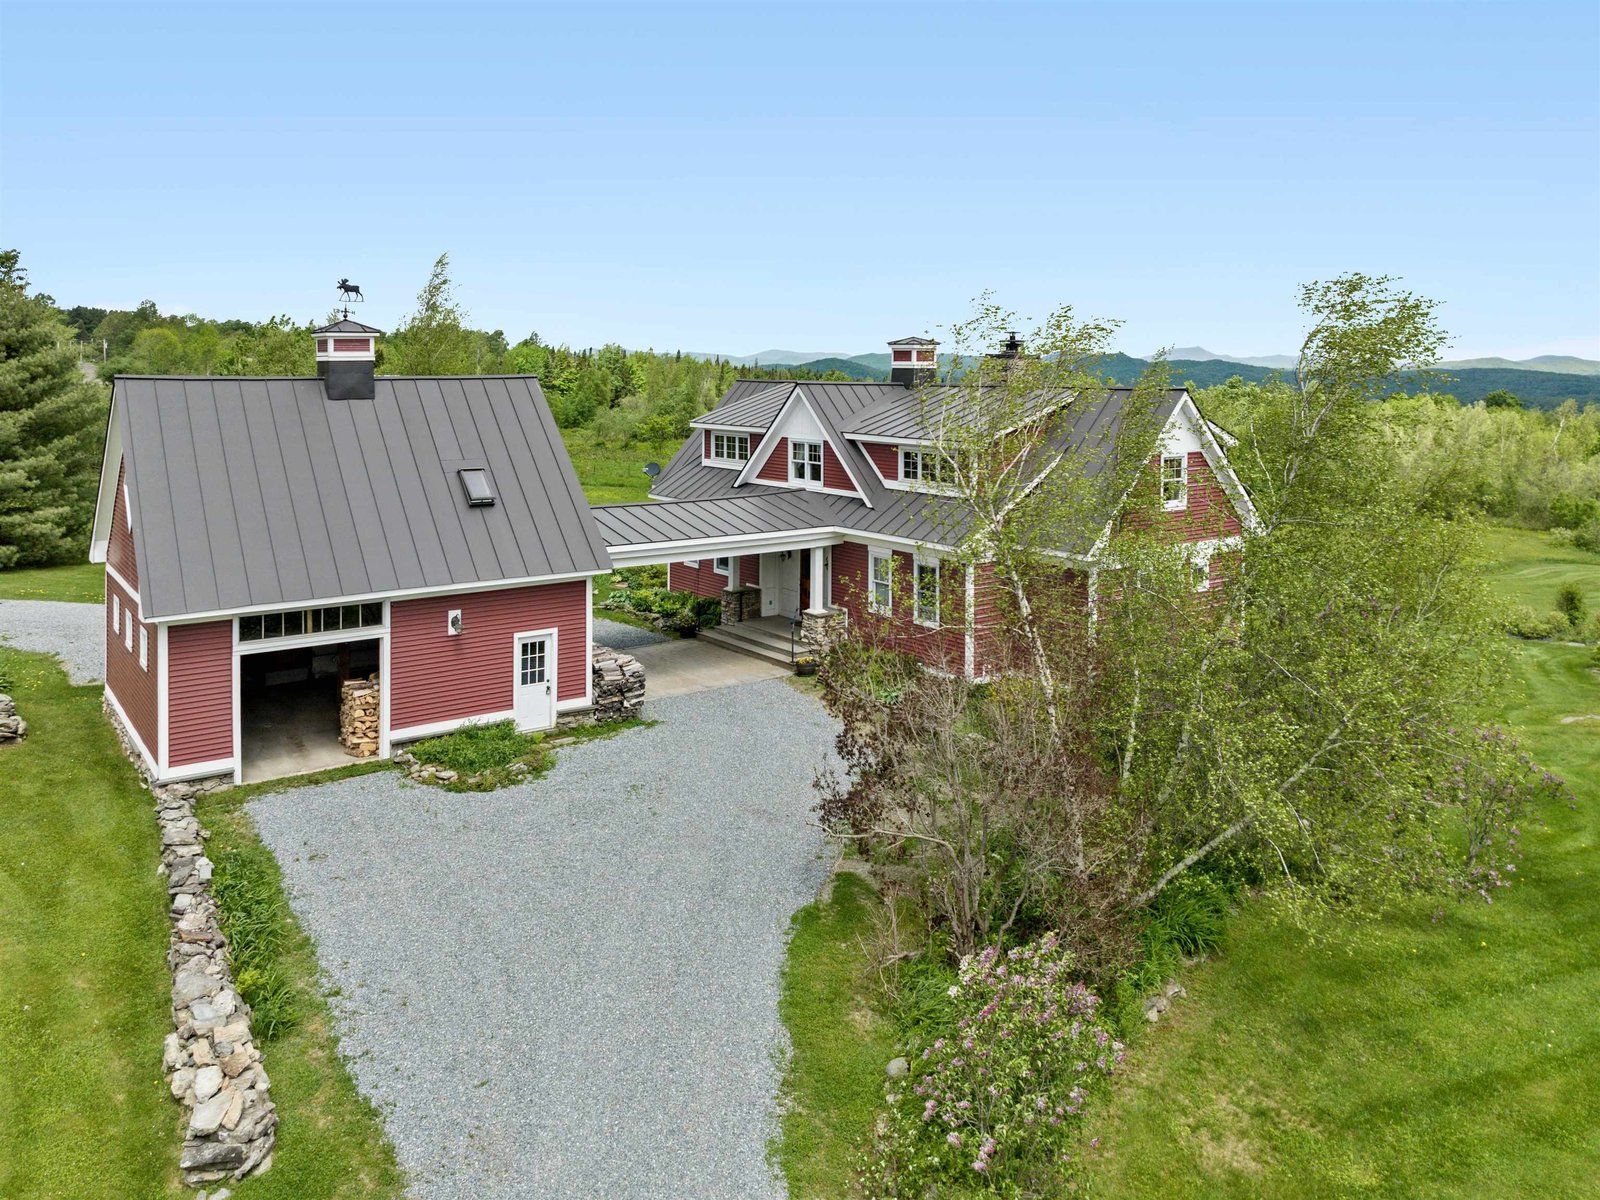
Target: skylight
x,y
475,483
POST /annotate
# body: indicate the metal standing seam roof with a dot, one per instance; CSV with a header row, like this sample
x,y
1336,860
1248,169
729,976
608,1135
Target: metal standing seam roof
x,y
747,405
261,491
921,517
346,325
693,520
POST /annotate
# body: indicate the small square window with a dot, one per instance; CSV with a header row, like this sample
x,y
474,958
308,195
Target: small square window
x,y
475,483
272,625
720,565
250,629
294,623
350,616
144,647
372,614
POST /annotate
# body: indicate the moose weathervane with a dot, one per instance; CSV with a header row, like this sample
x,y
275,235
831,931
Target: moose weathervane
x,y
350,291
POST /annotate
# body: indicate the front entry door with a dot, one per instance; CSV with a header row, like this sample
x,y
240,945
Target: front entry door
x,y
536,682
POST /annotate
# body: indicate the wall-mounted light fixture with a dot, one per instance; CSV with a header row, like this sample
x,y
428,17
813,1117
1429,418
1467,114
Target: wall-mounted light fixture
x,y
453,624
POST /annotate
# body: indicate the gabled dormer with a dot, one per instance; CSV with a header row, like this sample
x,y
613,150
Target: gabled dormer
x,y
798,450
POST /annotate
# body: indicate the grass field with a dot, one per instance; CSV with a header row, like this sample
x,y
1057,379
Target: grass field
x,y
83,583
84,1110
613,476
1528,569
1458,1059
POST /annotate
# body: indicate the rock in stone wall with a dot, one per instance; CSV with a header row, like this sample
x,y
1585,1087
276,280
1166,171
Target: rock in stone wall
x,y
12,727
618,684
359,714
214,1065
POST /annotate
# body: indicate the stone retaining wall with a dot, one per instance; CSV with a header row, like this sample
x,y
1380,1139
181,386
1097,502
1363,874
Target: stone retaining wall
x,y
214,1065
618,684
12,727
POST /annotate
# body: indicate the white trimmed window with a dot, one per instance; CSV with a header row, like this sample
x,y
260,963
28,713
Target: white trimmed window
x,y
926,589
144,647
805,462
692,562
730,447
116,613
300,621
1174,481
720,565
127,634
881,580
1201,574
924,466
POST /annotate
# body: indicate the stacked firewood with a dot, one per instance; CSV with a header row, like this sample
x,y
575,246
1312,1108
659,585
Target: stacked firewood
x,y
358,716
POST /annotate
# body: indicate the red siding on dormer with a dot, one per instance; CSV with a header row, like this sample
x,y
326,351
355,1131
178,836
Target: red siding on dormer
x,y
833,473
776,468
121,556
885,458
705,449
1209,512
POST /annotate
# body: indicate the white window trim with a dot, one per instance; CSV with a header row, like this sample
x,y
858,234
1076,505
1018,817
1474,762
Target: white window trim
x,y
918,564
724,460
725,560
693,563
127,634
116,613
875,555
1182,502
144,647
806,480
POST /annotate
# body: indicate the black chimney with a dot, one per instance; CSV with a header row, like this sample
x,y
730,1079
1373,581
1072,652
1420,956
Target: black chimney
x,y
913,361
347,353
1010,348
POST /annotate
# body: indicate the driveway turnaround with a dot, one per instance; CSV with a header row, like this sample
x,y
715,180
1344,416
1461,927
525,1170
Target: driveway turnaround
x,y
75,632
569,988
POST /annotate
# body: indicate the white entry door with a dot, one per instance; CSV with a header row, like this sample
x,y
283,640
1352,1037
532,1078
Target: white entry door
x,y
780,584
536,681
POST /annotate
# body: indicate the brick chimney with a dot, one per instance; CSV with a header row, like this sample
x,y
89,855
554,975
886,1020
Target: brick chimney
x,y
913,361
347,353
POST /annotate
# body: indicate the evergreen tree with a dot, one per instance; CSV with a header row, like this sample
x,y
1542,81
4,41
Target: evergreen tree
x,y
51,423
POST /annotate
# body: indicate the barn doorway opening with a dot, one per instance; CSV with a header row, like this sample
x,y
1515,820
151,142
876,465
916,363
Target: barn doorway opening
x,y
289,707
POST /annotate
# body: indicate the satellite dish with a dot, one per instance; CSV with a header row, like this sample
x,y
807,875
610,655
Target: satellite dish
x,y
652,469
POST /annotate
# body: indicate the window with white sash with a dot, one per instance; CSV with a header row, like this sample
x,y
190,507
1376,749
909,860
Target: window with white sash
x,y
926,599
1174,481
730,447
805,462
881,579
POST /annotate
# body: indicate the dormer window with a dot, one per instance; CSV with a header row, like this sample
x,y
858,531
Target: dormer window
x,y
1174,481
475,483
730,447
924,466
805,462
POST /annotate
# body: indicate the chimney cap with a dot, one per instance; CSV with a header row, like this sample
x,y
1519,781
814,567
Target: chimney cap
x,y
347,326
913,341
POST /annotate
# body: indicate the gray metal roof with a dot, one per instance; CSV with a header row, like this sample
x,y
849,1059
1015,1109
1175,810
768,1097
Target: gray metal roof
x,y
773,511
894,512
748,404
248,492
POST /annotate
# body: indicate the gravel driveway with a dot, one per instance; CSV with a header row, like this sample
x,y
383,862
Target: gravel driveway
x,y
624,637
75,632
569,988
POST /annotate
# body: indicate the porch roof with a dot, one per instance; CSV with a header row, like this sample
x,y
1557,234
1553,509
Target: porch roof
x,y
673,530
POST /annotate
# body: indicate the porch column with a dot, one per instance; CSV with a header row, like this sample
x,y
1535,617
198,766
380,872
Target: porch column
x,y
819,580
733,572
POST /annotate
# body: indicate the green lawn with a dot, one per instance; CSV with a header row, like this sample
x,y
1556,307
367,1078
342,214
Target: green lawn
x,y
613,476
84,1110
83,583
1458,1059
834,1084
1527,569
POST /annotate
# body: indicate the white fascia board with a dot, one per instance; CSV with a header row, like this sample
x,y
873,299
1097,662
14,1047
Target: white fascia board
x,y
447,589
106,496
763,451
1212,448
722,426
645,553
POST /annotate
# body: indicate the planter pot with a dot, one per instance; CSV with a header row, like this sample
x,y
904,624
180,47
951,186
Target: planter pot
x,y
806,667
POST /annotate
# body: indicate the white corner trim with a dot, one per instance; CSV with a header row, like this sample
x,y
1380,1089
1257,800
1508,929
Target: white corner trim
x,y
163,718
105,497
588,645
199,770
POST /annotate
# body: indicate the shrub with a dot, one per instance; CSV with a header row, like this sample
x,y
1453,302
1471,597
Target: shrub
x,y
1569,600
1573,512
1587,537
1521,621
1592,633
252,915
488,751
994,1106
707,611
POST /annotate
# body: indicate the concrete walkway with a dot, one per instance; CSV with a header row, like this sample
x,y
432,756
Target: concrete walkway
x,y
690,665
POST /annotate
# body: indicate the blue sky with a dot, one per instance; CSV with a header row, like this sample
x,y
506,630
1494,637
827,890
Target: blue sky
x,y
740,176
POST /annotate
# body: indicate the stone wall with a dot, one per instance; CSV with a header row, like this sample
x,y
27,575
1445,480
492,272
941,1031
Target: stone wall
x,y
618,685
740,604
821,629
214,1066
12,727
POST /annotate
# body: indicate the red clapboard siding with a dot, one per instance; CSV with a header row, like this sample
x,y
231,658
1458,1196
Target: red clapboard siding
x,y
885,458
703,579
200,692
436,677
833,473
121,554
945,647
750,569
706,449
776,468
1210,512
132,685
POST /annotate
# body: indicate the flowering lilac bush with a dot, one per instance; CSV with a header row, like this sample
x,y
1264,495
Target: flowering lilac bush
x,y
994,1107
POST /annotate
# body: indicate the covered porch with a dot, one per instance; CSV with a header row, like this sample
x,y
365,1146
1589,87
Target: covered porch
x,y
782,607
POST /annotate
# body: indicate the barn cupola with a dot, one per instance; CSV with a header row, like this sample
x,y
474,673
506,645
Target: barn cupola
x,y
913,361
347,354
